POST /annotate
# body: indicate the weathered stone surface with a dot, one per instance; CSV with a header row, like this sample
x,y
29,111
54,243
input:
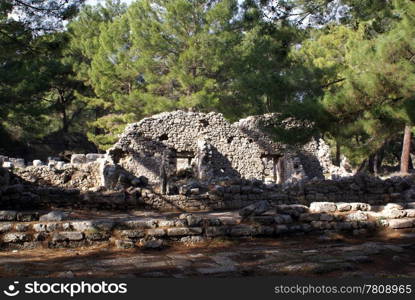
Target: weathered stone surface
x,y
5,227
357,216
45,227
79,225
410,213
342,207
78,159
132,234
16,237
67,236
8,215
193,220
156,232
21,227
37,163
91,157
393,213
327,207
181,231
360,206
393,206
140,224
256,209
152,243
54,216
401,223
216,231
242,230
93,235
124,244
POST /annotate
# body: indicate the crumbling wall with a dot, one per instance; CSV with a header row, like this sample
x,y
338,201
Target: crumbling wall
x,y
77,176
234,151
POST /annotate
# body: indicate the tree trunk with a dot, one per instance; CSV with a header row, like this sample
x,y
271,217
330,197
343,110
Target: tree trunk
x,y
406,149
337,161
367,165
280,170
65,125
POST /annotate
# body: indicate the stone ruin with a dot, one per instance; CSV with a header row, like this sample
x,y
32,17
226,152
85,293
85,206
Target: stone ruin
x,y
206,147
210,147
195,164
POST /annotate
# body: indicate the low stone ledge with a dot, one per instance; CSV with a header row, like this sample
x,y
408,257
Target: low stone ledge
x,y
226,224
156,232
132,234
67,236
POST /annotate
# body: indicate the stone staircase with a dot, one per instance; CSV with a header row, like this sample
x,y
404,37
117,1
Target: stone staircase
x,y
31,229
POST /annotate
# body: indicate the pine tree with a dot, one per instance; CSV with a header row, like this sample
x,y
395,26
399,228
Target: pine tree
x,y
367,80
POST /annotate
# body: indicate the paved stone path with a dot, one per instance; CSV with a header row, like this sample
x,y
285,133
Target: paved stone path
x,y
224,258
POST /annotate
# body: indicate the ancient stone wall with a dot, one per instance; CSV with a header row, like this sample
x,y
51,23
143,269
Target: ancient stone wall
x,y
234,151
231,194
22,230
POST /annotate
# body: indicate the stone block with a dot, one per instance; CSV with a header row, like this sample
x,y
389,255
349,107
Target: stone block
x,y
132,234
394,213
182,231
357,216
91,157
216,231
281,229
67,236
327,207
156,232
5,227
401,223
16,237
78,159
38,163
124,244
242,230
8,215
342,207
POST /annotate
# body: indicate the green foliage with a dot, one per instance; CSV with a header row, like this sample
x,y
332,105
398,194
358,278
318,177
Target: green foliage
x,y
367,79
165,55
28,62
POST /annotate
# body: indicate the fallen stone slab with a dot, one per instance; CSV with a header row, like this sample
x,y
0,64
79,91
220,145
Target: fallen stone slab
x,y
357,216
152,243
16,237
67,236
158,232
5,227
46,227
394,213
327,207
401,223
8,215
54,216
242,230
124,244
132,234
78,159
182,231
410,213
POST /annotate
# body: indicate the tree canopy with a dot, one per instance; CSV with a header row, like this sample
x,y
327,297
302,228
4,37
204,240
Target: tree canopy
x,y
345,65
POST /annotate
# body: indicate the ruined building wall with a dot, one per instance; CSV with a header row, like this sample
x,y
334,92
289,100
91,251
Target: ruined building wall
x,y
234,150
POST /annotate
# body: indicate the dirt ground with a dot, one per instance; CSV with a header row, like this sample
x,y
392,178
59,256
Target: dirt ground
x,y
386,256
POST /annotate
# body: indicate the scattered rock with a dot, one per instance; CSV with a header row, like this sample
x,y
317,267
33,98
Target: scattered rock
x,y
151,243
54,216
327,207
